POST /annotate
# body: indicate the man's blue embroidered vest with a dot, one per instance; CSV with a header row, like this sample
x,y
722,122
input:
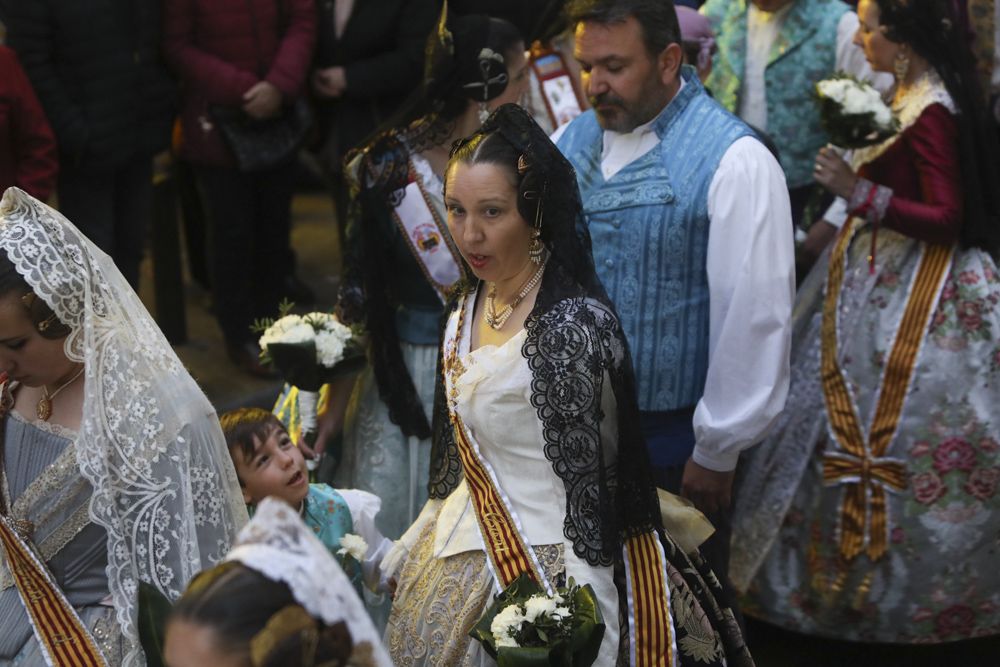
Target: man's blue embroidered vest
x,y
804,53
649,225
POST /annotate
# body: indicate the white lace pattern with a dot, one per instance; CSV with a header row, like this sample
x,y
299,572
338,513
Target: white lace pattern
x,y
149,442
280,546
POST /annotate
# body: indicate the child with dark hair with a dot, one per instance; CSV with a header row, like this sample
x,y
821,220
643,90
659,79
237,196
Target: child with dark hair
x,y
269,464
277,600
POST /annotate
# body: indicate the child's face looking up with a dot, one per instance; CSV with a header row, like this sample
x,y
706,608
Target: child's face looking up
x,y
276,468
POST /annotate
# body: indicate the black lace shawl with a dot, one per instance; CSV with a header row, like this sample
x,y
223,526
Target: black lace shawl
x,y
378,175
574,343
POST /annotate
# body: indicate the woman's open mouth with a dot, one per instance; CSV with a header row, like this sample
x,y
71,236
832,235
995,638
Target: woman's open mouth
x,y
478,261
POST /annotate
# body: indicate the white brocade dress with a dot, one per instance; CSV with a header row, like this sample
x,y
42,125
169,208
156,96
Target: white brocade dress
x,y
445,583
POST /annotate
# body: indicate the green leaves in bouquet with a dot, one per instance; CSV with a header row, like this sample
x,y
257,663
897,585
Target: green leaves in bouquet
x,y
259,326
544,643
154,609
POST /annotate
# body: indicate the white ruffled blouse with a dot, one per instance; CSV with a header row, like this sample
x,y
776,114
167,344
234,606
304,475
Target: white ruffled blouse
x,y
494,402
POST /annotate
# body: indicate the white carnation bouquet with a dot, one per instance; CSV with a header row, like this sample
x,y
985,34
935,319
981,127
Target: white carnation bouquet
x,y
526,626
309,351
853,112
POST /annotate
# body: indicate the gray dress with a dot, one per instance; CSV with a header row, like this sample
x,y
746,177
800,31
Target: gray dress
x,y
46,487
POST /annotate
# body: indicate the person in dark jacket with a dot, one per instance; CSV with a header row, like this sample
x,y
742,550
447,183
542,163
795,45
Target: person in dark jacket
x,y
27,146
95,67
251,55
369,58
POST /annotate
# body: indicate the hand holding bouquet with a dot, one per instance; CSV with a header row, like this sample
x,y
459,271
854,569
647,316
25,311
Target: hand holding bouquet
x,y
853,113
309,351
525,626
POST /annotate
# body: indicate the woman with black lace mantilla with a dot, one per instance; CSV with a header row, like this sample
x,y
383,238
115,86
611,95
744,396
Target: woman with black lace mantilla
x,y
400,262
538,466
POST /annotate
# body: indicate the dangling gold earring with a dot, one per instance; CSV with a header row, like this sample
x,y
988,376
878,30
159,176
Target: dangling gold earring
x,y
536,251
901,66
484,113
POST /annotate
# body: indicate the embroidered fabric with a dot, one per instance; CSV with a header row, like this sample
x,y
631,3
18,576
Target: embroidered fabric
x,y
927,90
55,502
870,200
280,546
149,442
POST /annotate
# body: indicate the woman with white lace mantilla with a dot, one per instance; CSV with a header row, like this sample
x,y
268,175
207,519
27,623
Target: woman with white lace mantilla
x,y
871,512
113,468
538,467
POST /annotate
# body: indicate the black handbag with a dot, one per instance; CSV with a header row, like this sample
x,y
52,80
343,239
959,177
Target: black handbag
x,y
260,144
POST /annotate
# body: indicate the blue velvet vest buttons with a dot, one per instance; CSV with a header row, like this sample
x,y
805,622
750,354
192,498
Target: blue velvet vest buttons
x,y
649,225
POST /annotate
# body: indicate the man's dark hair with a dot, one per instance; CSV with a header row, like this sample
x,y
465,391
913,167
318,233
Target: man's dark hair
x,y
657,18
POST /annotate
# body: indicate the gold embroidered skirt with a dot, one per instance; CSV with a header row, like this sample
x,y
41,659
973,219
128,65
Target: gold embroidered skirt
x,y
438,600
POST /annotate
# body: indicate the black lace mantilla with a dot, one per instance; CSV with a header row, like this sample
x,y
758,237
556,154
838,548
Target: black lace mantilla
x,y
378,175
568,349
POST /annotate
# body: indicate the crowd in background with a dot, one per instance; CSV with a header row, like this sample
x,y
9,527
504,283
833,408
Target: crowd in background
x,y
813,332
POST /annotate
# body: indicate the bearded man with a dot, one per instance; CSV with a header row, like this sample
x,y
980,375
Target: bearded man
x,y
691,231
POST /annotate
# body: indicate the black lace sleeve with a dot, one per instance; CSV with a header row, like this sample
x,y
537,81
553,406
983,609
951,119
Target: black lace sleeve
x,y
572,348
566,388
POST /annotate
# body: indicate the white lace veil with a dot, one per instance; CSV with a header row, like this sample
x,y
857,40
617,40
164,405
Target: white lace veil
x,y
149,442
280,546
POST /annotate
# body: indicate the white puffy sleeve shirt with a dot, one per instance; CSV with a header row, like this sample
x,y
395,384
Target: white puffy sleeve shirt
x,y
751,279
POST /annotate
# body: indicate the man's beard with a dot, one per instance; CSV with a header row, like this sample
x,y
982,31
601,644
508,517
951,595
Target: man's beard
x,y
619,116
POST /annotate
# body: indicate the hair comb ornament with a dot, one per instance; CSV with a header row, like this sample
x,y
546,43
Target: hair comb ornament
x,y
493,70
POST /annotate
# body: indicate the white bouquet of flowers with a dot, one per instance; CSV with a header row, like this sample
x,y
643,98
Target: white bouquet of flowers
x,y
525,626
853,112
309,351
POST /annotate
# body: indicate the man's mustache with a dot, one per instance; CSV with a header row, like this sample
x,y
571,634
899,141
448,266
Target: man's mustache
x,y
606,99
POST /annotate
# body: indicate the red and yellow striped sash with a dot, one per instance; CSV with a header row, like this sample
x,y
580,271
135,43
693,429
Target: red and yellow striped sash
x,y
861,465
650,628
505,546
64,639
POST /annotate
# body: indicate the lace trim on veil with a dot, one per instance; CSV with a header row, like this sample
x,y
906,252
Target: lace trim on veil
x,y
149,442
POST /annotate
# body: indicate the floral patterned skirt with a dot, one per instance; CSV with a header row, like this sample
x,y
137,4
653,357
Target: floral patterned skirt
x,y
939,579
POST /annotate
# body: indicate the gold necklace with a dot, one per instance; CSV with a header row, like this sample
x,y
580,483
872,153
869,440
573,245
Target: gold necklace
x,y
44,406
496,319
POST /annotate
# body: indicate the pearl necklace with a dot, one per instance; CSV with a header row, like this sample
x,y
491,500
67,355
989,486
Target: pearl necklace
x,y
496,319
44,406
